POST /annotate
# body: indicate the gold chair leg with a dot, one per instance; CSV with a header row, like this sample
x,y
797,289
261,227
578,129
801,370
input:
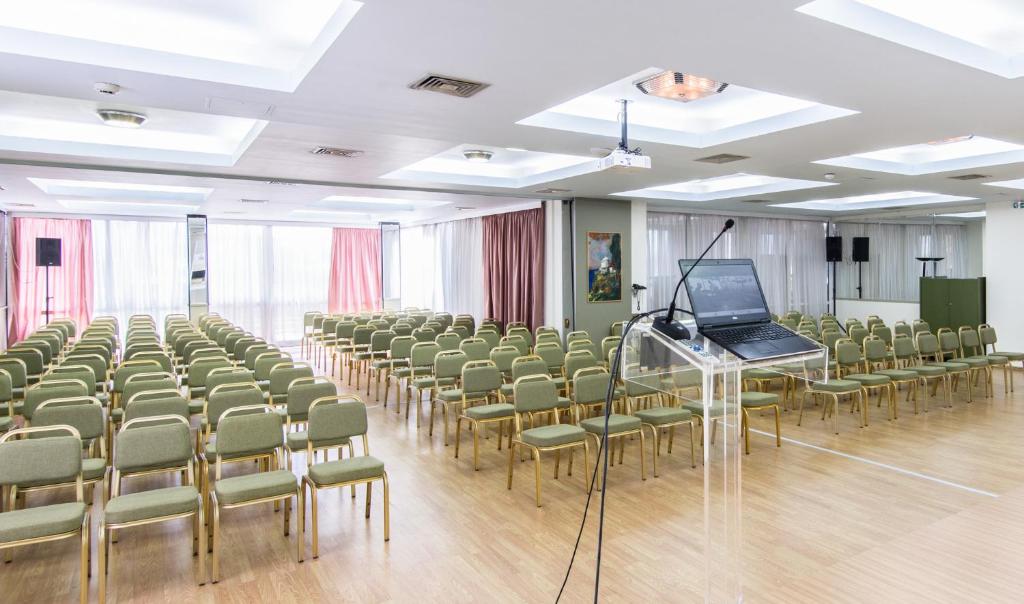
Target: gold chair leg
x,y
387,509
215,511
369,495
102,566
83,576
536,472
511,460
315,526
643,464
300,523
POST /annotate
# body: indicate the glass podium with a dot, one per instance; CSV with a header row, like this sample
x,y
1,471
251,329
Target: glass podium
x,y
708,380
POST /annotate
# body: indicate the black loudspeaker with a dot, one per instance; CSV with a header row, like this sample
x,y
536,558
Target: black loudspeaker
x,y
833,249
860,249
47,251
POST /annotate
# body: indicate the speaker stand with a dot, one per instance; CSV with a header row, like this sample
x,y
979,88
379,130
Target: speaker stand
x,y
860,288
46,313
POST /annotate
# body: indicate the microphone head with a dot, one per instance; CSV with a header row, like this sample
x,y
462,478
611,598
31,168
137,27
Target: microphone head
x,y
729,224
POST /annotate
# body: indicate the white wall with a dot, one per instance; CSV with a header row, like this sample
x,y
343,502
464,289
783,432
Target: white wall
x,y
890,312
1004,285
553,264
975,248
638,220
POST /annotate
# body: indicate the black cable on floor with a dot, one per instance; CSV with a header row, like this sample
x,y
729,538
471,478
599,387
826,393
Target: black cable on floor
x,y
603,448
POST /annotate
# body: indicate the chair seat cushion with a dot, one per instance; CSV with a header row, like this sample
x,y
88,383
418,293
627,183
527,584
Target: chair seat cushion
x,y
659,416
997,359
346,470
758,399
552,436
93,468
455,395
842,386
5,423
1013,356
390,363
951,365
195,407
430,382
868,379
974,362
44,521
928,370
366,356
898,375
760,374
239,489
296,441
616,423
147,505
697,408
491,411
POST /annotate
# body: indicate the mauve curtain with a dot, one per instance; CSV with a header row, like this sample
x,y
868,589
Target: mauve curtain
x,y
70,283
514,267
355,283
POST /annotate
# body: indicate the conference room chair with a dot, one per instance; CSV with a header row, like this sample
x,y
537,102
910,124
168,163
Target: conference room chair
x,y
901,328
872,321
929,353
84,414
489,335
37,394
239,352
153,403
584,344
536,399
591,385
905,356
282,375
553,356
265,361
879,359
424,334
920,327
145,447
884,333
448,366
467,321
7,404
494,324
971,349
33,360
198,371
308,319
332,420
361,336
461,331
53,460
978,367
99,367
476,349
252,433
516,341
301,394
448,340
616,329
398,356
327,340
254,351
641,392
660,418
524,333
482,381
850,367
545,337
829,391
531,365
609,345
857,333
380,344
574,361
987,333
590,401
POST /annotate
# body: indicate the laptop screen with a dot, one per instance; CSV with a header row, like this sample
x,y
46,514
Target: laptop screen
x,y
725,292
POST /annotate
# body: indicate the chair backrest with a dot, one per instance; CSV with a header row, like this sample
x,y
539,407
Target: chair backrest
x,y
920,326
41,346
44,391
448,363
248,430
900,328
53,460
32,358
228,375
253,352
611,343
15,369
535,393
503,357
303,391
616,328
903,348
970,343
875,350
590,385
544,337
858,333
949,342
156,402
927,344
91,360
333,418
553,355
476,349
283,374
829,337
380,340
72,372
134,347
422,354
242,345
516,340
480,376
873,321
883,332
6,389
84,413
448,341
160,442
987,333
201,368
344,330
144,382
523,332
572,336
579,359
847,354
579,344
423,334
165,361
229,396
529,365
362,334
266,361
460,330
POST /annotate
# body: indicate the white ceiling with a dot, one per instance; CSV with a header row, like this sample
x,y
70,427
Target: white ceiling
x,y
535,55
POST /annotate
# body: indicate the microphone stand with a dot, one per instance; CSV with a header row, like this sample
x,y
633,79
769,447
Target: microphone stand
x,y
667,325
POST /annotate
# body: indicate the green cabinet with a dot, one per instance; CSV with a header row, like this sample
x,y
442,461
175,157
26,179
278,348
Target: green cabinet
x,y
952,302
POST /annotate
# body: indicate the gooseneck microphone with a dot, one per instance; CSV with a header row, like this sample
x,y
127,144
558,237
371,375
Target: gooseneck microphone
x,y
667,324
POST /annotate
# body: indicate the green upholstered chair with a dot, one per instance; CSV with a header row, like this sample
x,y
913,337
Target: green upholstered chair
x,y
342,348
399,350
529,365
949,352
460,330
879,360
33,360
517,342
6,404
420,365
553,356
514,325
523,332
481,382
902,328
307,330
252,433
265,361
37,394
642,392
448,366
582,344
361,336
857,334
828,391
544,337
503,357
489,335
873,321
592,384
576,360
590,402
53,460
884,333
929,354
282,375
99,367
920,326
850,367
608,345
616,328
148,446
758,401
448,340
219,400
466,320
987,333
424,334
659,418
972,350
380,344
198,371
536,398
906,357
850,323
476,349
250,351
15,370
156,402
332,421
84,414
301,394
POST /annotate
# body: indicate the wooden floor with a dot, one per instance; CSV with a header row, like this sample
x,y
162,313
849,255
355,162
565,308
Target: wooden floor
x,y
929,508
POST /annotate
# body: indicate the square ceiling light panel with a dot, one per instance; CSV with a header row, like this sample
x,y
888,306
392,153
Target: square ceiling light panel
x,y
63,126
128,208
983,34
258,43
975,214
495,167
723,187
354,203
957,153
120,190
873,201
1017,183
733,114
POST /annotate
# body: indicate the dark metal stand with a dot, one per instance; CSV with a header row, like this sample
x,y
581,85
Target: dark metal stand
x,y
860,288
46,313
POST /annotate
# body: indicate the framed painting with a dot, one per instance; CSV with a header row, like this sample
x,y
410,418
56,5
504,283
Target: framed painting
x,y
604,267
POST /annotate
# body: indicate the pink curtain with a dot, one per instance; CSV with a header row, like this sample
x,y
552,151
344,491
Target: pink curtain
x,y
70,283
514,267
356,279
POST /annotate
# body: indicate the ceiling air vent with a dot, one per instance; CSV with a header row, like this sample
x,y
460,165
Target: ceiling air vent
x,y
448,85
336,152
721,158
757,201
554,191
969,176
281,182
253,200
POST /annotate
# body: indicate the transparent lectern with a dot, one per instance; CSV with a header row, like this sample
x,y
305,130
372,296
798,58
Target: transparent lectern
x,y
708,380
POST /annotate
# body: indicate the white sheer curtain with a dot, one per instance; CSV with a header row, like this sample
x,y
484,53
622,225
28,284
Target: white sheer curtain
x,y
892,271
263,277
139,267
442,267
789,256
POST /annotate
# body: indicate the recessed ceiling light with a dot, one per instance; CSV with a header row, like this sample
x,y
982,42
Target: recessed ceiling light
x,y
479,156
516,149
874,201
976,214
232,212
121,119
830,175
463,208
336,151
106,88
678,86
280,182
90,205
952,139
724,187
21,205
243,200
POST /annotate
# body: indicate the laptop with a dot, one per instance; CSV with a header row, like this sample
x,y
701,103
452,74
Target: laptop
x,y
730,310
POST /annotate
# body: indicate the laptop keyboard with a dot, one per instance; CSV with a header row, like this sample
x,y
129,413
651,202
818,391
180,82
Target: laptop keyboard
x,y
753,333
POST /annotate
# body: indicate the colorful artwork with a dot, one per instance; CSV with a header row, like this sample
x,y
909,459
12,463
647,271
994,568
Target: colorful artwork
x,y
604,267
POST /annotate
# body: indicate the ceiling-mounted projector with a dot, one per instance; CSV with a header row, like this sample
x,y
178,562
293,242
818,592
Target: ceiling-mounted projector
x,y
624,158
